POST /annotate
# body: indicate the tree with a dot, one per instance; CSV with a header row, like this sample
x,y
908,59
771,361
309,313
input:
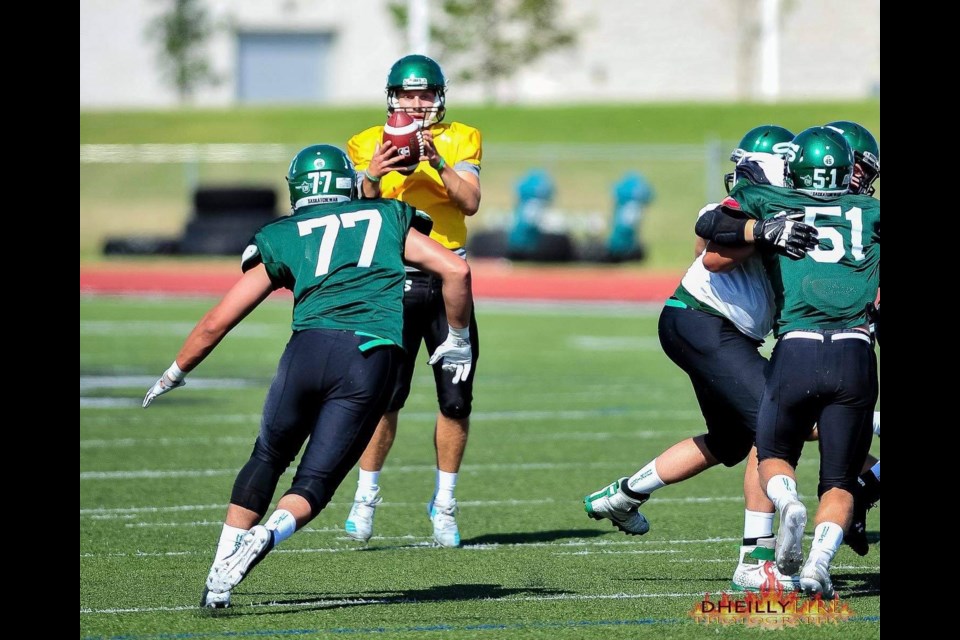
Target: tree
x,y
181,33
488,41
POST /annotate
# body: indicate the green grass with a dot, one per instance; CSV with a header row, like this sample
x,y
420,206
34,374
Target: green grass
x,y
565,402
595,124
585,148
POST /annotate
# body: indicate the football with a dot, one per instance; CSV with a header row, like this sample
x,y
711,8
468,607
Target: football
x,y
405,135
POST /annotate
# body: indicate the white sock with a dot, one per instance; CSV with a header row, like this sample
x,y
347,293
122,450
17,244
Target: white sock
x,y
230,538
283,525
782,490
646,480
827,538
757,524
876,423
368,484
446,483
875,470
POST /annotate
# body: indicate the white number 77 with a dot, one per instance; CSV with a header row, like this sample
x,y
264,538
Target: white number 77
x,y
331,226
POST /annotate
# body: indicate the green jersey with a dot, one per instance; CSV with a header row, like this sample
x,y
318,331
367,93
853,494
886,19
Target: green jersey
x,y
831,286
344,264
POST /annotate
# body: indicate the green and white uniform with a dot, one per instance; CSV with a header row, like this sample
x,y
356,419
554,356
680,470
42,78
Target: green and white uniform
x,y
343,262
830,288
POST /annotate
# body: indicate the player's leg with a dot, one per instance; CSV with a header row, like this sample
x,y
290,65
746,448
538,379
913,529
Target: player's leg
x,y
452,425
283,429
787,413
359,522
849,371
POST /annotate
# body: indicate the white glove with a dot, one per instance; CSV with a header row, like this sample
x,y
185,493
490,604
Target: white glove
x,y
457,354
170,380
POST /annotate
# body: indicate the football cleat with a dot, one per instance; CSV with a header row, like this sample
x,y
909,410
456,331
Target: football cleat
x,y
211,600
229,572
789,549
616,506
757,570
815,577
444,519
359,524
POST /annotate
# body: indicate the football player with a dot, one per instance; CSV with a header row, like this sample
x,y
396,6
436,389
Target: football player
x,y
343,259
712,328
446,185
824,367
866,169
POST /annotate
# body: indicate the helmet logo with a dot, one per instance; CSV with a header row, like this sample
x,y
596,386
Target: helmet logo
x,y
828,160
305,187
790,151
414,83
783,149
319,163
807,180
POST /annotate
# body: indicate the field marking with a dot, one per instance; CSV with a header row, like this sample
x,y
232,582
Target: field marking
x,y
166,328
614,343
427,543
342,602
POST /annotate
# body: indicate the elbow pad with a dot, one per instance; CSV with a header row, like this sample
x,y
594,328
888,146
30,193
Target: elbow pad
x,y
716,226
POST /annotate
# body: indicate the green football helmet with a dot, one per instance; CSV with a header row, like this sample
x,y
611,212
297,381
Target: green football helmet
x,y
820,162
866,153
320,174
767,138
417,73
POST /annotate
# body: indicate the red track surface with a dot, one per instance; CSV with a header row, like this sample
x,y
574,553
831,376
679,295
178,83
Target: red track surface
x,y
491,279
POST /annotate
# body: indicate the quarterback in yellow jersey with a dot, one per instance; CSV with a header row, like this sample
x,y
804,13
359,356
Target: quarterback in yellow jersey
x,y
460,147
446,185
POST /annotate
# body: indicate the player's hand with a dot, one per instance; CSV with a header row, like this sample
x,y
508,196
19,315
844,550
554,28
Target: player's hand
x,y
457,355
785,234
170,380
429,150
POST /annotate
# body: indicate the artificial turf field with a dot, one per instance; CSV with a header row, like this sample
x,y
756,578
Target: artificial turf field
x,y
568,398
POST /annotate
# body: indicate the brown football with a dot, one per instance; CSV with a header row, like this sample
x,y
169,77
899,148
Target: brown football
x,y
405,135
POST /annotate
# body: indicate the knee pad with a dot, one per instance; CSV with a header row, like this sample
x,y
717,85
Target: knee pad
x,y
731,448
850,485
255,484
457,408
312,489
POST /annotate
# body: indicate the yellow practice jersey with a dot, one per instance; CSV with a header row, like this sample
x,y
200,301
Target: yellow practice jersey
x,y
457,144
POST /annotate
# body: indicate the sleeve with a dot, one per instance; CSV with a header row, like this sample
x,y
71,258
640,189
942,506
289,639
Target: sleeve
x,y
469,151
742,203
261,251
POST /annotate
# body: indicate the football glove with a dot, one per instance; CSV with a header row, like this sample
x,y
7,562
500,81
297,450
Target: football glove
x,y
785,234
456,353
170,380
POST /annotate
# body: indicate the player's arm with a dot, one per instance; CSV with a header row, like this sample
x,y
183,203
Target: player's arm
x,y
431,256
720,259
252,289
455,354
463,187
782,233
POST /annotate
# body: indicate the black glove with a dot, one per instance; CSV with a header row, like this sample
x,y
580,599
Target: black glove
x,y
786,235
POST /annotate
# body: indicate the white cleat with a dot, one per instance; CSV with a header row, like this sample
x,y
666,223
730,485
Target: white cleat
x,y
815,577
359,524
444,519
231,571
617,507
757,570
789,551
211,600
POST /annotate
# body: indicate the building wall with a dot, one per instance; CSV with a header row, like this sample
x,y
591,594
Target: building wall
x,y
629,50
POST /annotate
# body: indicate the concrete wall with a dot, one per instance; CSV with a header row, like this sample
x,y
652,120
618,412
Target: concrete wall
x,y
629,50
